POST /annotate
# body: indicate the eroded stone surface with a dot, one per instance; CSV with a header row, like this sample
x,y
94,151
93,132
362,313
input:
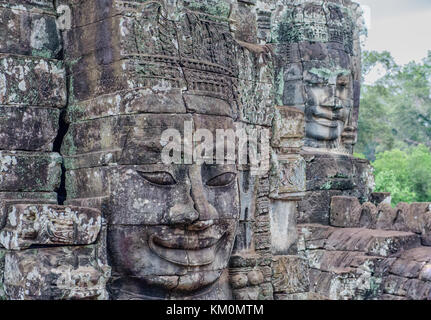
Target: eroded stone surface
x,y
55,273
29,171
29,225
32,81
28,128
27,32
364,264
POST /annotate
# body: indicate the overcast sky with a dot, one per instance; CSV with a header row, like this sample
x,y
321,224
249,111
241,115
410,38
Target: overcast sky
x,y
402,27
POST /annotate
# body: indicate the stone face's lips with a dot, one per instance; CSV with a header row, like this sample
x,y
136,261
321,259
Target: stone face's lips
x,y
190,249
326,122
175,238
186,242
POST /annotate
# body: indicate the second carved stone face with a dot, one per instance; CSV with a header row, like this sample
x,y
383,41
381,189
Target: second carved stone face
x,y
327,110
173,227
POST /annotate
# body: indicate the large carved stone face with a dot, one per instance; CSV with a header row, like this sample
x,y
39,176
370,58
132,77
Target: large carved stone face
x,y
172,227
327,110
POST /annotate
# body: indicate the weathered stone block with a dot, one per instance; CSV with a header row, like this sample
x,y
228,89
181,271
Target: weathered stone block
x,y
290,275
386,217
375,242
364,179
426,229
255,103
369,215
315,207
287,176
2,260
248,185
283,226
306,296
28,5
23,197
15,125
294,93
425,273
345,212
313,51
329,172
8,200
420,254
130,139
67,273
85,12
32,81
210,106
244,240
87,183
288,128
29,171
293,71
413,289
26,32
416,219
128,102
406,268
262,241
239,280
313,236
29,225
248,293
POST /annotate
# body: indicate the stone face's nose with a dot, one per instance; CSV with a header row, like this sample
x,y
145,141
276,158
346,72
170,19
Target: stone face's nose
x,y
203,207
195,211
182,214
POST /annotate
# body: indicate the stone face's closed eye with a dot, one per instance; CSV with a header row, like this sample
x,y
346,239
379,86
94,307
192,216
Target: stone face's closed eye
x,y
159,178
221,180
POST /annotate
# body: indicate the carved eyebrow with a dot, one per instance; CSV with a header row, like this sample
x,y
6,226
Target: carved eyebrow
x,y
160,178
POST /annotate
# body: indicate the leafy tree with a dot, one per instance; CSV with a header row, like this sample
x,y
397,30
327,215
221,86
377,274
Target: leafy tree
x,y
404,173
396,109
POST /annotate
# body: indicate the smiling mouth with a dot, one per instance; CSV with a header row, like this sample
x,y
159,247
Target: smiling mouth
x,y
187,250
326,122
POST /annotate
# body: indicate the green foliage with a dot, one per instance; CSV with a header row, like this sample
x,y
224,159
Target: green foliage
x,y
396,109
371,58
406,174
359,155
395,127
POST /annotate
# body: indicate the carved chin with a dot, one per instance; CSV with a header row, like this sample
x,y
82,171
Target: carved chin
x,y
190,282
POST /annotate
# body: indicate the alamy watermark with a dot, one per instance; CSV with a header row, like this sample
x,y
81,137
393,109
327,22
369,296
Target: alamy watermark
x,y
64,19
244,147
